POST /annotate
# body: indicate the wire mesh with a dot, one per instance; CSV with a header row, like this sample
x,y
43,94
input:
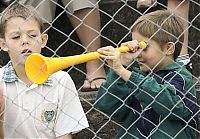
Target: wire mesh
x,y
116,20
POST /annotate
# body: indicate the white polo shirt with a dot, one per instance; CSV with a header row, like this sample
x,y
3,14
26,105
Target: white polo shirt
x,y
41,111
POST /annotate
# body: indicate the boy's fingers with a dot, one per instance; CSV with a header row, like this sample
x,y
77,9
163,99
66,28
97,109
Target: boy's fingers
x,y
104,49
126,43
133,45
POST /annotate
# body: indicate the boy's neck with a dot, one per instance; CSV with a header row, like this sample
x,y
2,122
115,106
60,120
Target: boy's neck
x,y
21,74
166,63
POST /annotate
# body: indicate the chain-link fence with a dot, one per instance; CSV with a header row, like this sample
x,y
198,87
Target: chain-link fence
x,y
71,32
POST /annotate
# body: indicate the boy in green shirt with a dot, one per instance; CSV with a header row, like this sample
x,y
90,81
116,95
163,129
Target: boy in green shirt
x,y
158,100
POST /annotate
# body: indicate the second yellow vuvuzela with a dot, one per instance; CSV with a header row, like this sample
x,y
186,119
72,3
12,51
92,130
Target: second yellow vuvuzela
x,y
38,68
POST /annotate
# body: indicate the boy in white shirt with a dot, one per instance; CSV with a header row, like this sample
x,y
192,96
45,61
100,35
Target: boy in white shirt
x,y
49,110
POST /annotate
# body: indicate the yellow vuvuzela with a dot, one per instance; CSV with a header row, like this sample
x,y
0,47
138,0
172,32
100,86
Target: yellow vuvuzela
x,y
38,68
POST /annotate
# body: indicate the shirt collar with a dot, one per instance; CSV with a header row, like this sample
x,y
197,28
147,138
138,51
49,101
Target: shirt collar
x,y
9,75
175,65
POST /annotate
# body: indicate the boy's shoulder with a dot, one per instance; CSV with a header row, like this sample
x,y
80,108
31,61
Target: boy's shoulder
x,y
184,72
61,75
179,73
178,68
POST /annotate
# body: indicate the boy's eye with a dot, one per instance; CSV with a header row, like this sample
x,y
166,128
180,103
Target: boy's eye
x,y
16,37
33,35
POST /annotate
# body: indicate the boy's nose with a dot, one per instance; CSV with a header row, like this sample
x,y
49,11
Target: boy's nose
x,y
25,39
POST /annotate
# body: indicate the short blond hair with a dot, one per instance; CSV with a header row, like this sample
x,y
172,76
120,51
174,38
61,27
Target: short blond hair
x,y
162,26
18,10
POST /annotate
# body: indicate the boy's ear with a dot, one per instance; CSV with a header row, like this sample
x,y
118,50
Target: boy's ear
x,y
3,45
170,48
44,40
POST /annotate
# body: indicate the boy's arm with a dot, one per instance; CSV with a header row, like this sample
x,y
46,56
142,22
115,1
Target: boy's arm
x,y
112,97
168,99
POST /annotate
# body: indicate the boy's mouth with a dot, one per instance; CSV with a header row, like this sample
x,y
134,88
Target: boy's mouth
x,y
26,52
141,62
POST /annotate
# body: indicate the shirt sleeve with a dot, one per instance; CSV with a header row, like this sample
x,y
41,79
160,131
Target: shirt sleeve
x,y
113,97
70,115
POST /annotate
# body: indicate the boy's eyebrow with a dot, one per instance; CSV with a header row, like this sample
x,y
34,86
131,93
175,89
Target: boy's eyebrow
x,y
18,32
31,31
13,33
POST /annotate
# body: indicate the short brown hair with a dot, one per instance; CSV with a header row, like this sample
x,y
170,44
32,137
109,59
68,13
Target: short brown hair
x,y
162,26
18,10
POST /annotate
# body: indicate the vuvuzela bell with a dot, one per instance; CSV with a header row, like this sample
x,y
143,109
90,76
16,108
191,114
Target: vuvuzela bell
x,y
38,68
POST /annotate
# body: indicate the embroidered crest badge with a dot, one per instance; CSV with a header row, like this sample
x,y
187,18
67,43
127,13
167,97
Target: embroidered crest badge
x,y
48,116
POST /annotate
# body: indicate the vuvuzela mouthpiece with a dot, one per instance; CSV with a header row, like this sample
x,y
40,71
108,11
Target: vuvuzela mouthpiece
x,y
143,44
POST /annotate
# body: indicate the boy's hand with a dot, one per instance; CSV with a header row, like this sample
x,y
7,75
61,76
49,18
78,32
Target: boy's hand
x,y
116,60
135,50
112,56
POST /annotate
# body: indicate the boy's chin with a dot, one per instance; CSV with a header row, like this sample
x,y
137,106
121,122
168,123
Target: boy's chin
x,y
23,59
25,56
